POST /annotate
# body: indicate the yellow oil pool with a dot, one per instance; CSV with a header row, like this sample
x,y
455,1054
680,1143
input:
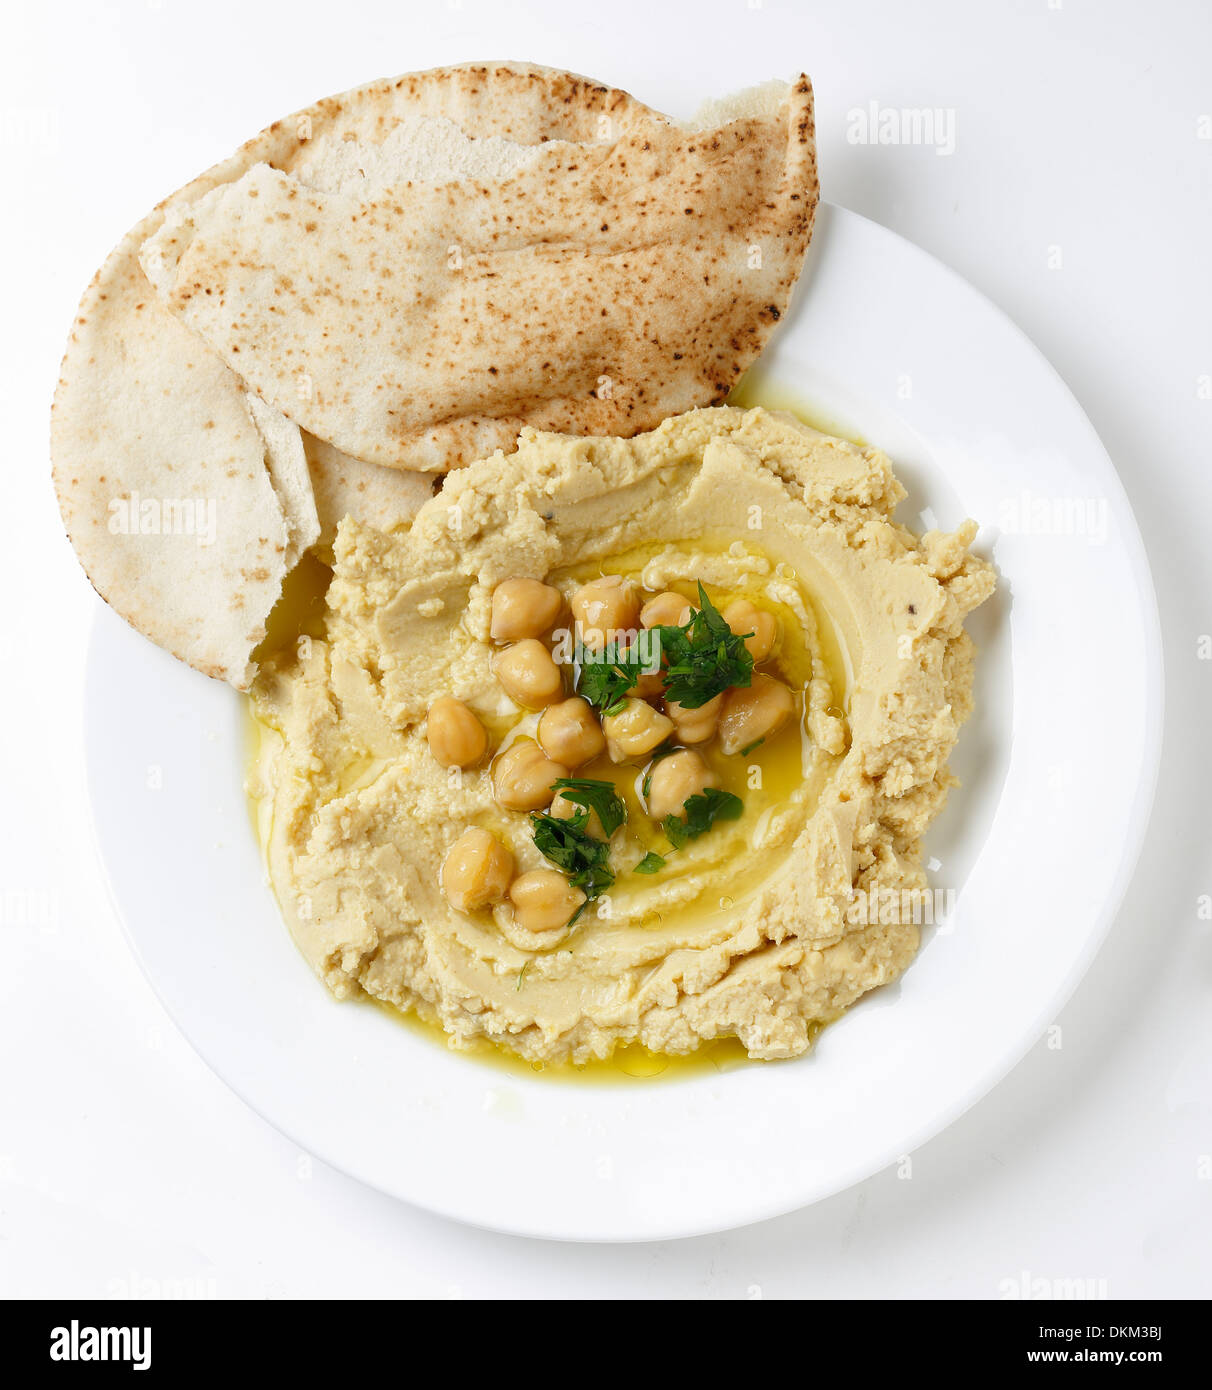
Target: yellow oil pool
x,y
626,1065
755,389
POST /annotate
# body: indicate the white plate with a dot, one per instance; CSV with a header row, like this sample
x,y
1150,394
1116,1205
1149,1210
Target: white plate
x,y
1058,764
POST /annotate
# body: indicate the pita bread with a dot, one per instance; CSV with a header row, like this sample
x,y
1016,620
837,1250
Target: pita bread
x,y
148,431
146,413
289,476
385,498
589,287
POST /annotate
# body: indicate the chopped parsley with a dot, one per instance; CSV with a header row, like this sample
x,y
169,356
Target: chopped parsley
x,y
609,676
592,795
704,657
570,847
701,812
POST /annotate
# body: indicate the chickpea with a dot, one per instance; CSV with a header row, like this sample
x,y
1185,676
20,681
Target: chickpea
x,y
675,780
604,608
637,729
743,616
523,608
666,610
564,809
456,737
476,871
522,776
754,712
529,675
570,733
544,900
650,686
695,725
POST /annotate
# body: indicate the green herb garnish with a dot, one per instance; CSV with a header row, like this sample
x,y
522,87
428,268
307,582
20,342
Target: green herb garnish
x,y
701,812
749,747
704,657
521,975
569,846
595,796
608,677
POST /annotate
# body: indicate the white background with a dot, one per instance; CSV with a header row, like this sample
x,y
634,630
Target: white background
x,y
125,1166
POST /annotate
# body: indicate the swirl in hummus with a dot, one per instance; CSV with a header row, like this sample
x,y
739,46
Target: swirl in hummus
x,y
458,691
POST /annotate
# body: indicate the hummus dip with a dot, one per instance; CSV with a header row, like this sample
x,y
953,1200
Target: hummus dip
x,y
765,925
